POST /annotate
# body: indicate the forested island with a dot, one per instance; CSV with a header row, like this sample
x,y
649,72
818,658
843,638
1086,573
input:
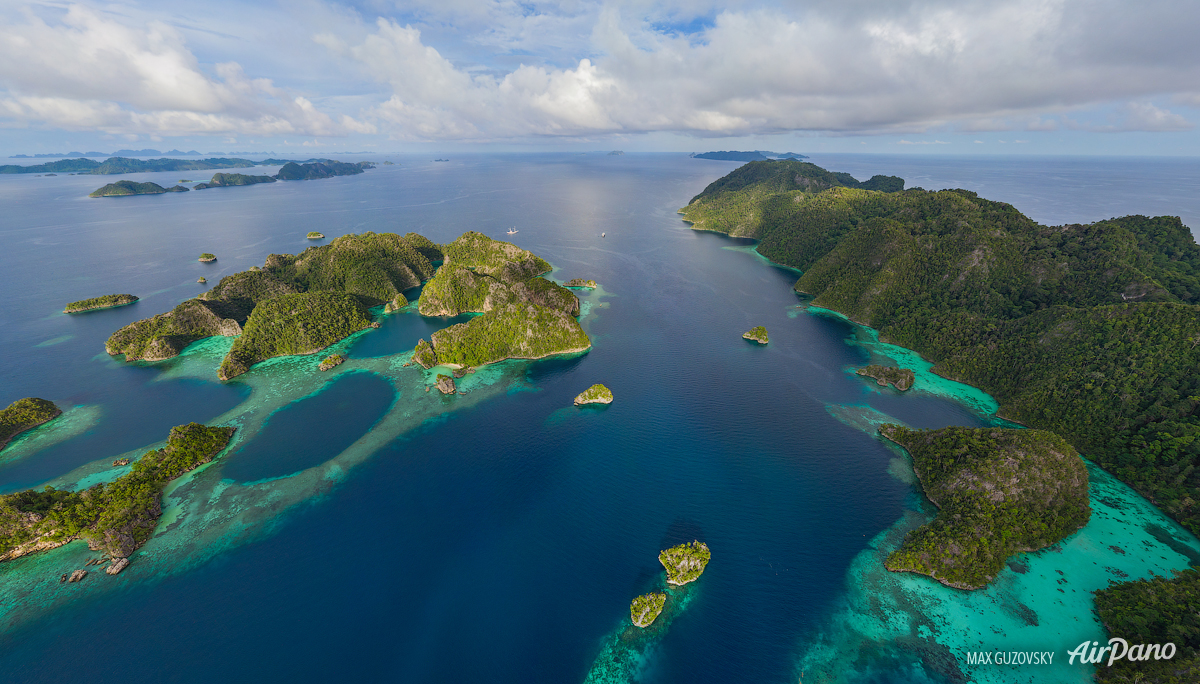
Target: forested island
x,y
1090,331
757,334
756,155
596,394
116,517
124,188
999,492
25,414
900,378
524,316
103,302
318,168
685,563
300,304
645,609
226,180
114,165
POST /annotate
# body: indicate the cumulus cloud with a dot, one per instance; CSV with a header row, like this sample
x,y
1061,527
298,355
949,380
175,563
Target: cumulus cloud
x,y
89,71
856,67
497,69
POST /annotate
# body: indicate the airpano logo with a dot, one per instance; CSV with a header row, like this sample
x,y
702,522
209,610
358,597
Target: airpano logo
x,y
1119,649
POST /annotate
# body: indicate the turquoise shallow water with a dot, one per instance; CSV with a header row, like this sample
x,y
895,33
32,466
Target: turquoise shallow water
x,y
499,535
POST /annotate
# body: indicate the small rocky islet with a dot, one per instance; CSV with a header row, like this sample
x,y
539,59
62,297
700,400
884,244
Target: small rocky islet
x,y
900,378
684,563
207,257
646,608
102,302
756,334
580,283
330,362
596,394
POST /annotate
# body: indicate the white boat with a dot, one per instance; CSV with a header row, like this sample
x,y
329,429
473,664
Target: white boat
x,y
601,234
512,231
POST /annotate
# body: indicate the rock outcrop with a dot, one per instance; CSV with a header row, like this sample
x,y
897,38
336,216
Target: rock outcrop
x,y
445,384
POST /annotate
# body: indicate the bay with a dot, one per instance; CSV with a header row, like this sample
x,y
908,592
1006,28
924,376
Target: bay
x,y
500,535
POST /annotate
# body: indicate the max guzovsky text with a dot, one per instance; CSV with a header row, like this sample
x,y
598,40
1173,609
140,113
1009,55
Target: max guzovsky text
x,y
1009,657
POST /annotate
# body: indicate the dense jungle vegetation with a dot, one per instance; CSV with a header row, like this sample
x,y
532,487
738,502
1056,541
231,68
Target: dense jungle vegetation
x,y
1154,611
1092,331
117,516
24,414
999,492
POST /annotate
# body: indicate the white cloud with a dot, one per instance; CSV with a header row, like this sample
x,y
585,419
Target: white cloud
x,y
89,71
494,69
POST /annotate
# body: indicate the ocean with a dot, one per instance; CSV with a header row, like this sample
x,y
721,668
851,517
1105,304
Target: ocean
x,y
362,529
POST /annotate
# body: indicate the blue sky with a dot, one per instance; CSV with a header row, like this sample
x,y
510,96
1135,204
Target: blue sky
x,y
1106,77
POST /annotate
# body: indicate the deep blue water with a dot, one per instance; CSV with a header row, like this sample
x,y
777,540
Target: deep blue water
x,y
503,542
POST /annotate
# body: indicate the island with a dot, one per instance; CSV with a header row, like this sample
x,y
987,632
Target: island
x,y
104,302
999,492
756,155
524,316
756,334
1148,614
314,235
300,304
445,384
125,188
685,563
596,394
202,279
646,608
1061,324
116,517
227,180
616,153
207,257
330,362
900,378
323,168
398,302
580,283
25,414
116,164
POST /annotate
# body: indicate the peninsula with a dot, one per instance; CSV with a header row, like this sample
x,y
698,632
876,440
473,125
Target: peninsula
x,y
117,517
105,302
1084,330
25,414
900,378
596,394
124,188
524,316
685,563
999,492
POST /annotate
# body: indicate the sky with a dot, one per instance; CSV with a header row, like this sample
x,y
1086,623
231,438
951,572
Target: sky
x,y
1086,77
